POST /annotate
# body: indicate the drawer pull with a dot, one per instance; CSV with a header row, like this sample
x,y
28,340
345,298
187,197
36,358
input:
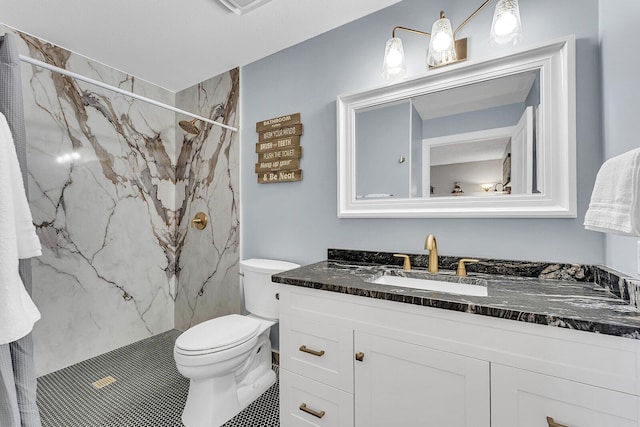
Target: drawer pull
x,y
359,356
304,348
310,411
553,423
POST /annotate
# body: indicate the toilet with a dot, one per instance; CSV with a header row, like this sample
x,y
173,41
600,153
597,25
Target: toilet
x,y
228,359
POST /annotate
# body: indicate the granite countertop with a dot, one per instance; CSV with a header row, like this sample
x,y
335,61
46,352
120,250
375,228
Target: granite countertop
x,y
573,304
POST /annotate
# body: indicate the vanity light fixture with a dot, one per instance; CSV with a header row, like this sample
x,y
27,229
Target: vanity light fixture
x,y
444,49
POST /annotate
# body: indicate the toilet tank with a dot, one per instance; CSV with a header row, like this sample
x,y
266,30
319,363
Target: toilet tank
x,y
260,293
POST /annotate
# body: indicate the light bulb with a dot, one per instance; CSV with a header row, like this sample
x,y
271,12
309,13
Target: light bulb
x,y
506,28
394,58
393,65
505,24
441,41
441,46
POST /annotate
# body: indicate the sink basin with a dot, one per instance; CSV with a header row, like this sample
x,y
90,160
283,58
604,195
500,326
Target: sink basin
x,y
433,285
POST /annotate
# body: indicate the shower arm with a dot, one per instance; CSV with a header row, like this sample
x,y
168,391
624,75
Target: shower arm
x,y
120,91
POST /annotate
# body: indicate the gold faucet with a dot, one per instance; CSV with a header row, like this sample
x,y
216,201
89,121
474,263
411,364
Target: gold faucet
x,y
432,247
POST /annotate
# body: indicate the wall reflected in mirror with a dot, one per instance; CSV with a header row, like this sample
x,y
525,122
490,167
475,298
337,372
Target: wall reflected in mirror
x,y
482,136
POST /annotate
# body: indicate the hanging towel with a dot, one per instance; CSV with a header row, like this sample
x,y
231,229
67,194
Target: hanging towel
x,y
615,202
18,239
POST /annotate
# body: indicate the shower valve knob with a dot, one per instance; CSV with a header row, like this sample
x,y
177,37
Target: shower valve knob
x,y
200,221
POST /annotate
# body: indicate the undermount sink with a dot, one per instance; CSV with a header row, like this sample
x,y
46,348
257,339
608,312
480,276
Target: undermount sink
x,y
450,287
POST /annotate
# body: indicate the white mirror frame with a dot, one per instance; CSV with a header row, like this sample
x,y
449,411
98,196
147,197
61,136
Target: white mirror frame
x,y
557,150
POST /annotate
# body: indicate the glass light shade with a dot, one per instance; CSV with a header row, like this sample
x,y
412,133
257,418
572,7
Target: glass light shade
x,y
506,28
442,46
393,66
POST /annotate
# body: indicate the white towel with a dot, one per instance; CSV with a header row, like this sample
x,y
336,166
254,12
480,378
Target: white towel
x,y
18,239
615,202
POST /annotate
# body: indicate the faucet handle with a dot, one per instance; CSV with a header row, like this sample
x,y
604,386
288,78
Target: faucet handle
x,y
462,269
407,261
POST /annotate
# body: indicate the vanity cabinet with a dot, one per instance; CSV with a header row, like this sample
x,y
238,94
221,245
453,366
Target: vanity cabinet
x,y
357,361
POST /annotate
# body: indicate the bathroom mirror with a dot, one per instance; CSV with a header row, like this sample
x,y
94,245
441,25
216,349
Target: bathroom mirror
x,y
485,139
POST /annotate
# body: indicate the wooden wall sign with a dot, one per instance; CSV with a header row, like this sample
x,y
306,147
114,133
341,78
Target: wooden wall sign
x,y
282,132
278,122
280,176
293,141
277,165
287,153
279,149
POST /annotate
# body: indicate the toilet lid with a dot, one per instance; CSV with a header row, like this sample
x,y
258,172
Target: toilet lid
x,y
219,333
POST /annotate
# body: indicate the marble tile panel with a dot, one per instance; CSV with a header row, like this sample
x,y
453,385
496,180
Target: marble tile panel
x,y
208,181
102,194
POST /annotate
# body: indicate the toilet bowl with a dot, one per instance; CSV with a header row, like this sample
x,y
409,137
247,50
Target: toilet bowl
x,y
228,359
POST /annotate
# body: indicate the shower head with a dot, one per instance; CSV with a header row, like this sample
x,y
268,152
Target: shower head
x,y
189,126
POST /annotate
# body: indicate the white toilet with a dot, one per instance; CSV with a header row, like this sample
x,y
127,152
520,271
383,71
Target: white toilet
x,y
228,359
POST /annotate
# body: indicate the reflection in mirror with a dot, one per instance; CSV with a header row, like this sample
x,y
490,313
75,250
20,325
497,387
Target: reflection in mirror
x,y
484,139
382,150
481,134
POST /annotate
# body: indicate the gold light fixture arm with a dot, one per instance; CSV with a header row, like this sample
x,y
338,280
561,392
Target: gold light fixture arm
x,y
410,30
455,33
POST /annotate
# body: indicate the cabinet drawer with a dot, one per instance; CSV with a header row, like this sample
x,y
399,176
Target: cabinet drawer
x,y
304,402
521,398
317,350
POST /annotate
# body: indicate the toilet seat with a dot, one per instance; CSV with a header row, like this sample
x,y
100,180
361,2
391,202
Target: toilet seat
x,y
217,335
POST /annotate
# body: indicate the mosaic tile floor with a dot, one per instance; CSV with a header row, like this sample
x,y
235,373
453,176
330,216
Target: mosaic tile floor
x,y
148,391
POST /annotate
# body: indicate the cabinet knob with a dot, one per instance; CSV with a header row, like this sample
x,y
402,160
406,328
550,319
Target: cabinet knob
x,y
553,423
304,349
310,411
359,356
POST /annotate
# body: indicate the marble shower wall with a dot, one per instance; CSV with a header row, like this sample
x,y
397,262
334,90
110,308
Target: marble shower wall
x,y
208,181
102,193
114,183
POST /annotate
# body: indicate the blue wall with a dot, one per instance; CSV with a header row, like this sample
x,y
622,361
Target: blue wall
x,y
384,135
298,221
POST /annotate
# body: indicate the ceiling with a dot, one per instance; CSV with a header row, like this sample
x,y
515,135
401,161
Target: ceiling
x,y
176,44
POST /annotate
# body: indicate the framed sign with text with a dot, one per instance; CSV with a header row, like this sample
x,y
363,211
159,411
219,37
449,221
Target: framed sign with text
x,y
279,149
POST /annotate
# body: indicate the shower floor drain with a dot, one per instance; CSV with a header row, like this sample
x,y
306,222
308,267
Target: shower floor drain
x,y
103,382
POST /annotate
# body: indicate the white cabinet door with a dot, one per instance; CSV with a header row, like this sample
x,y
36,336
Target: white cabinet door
x,y
402,384
521,398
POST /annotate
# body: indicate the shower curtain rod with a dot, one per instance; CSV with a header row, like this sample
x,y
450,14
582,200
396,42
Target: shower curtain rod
x,y
120,91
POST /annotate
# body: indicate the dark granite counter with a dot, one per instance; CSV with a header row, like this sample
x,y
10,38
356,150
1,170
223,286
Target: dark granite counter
x,y
586,299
